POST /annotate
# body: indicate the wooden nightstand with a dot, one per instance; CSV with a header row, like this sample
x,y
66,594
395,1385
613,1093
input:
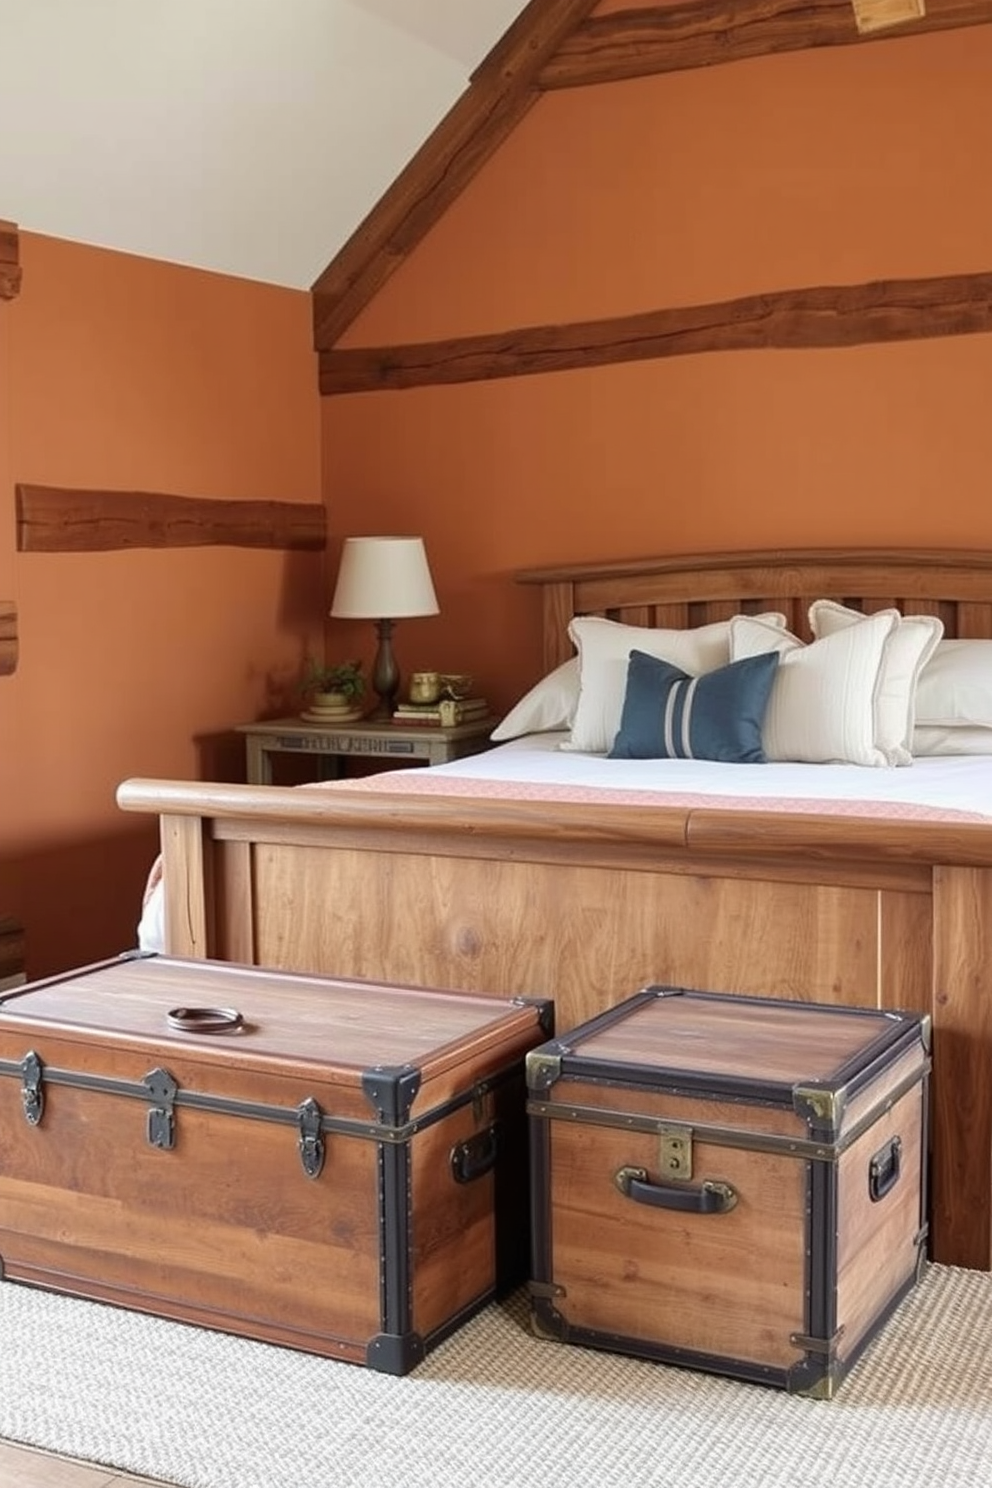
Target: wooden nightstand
x,y
386,742
11,953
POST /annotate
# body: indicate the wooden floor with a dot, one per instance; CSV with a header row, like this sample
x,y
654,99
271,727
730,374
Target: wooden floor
x,y
23,1467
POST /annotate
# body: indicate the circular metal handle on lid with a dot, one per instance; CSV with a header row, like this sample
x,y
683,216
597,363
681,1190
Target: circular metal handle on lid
x,y
205,1019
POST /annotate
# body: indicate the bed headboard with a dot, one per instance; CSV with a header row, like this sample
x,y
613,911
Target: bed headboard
x,y
698,588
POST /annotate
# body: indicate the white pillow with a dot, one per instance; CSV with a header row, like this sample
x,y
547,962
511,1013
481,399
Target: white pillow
x,y
955,686
912,642
962,739
550,704
604,648
822,707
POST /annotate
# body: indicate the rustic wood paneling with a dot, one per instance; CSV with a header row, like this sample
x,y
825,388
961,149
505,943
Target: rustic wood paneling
x,y
53,520
8,637
674,38
10,268
500,93
835,315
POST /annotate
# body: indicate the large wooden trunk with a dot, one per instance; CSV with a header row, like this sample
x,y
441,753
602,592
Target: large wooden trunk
x,y
730,1183
338,1166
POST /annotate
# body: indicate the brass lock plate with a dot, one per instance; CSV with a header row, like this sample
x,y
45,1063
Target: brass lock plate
x,y
675,1153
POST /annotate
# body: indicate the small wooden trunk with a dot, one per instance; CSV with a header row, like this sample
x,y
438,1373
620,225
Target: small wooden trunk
x,y
336,1166
735,1184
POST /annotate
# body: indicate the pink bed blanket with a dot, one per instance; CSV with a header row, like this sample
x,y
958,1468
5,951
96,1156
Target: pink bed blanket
x,y
427,783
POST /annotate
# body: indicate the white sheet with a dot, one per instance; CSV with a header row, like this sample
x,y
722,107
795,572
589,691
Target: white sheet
x,y
952,783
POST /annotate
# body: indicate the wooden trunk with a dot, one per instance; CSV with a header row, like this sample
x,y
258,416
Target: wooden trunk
x,y
331,1165
735,1184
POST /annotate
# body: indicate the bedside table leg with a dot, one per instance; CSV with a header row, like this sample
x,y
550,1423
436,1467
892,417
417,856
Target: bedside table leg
x,y
258,765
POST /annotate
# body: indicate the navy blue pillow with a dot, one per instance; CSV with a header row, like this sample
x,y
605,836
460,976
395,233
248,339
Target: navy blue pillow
x,y
669,715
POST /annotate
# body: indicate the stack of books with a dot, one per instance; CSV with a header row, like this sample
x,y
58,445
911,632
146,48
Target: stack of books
x,y
445,714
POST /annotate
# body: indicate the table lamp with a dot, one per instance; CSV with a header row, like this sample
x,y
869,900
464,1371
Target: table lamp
x,y
384,579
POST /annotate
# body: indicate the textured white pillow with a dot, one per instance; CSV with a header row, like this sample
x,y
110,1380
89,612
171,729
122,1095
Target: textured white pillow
x,y
964,738
913,640
604,648
822,707
550,704
955,686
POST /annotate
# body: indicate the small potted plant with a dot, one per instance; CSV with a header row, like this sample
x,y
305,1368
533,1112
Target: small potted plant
x,y
333,692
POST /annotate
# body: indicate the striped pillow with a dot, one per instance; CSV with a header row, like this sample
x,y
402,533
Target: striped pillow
x,y
668,714
822,707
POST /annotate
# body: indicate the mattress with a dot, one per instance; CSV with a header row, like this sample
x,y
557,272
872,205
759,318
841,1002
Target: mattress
x,y
939,788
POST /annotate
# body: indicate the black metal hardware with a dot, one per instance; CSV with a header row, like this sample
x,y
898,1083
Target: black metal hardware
x,y
311,1143
162,1089
711,1197
476,1156
32,1092
391,1090
884,1169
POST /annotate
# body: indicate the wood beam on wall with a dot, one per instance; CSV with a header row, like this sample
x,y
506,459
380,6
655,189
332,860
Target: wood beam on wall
x,y
500,92
55,520
10,267
846,315
638,43
8,637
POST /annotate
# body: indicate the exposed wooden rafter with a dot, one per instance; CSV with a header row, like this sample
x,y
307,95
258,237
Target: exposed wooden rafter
x,y
53,520
555,44
673,38
501,91
10,268
846,315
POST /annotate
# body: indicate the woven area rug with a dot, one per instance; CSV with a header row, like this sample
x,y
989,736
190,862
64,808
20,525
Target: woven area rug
x,y
494,1406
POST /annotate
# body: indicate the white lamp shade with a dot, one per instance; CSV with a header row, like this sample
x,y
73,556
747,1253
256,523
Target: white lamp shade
x,y
383,578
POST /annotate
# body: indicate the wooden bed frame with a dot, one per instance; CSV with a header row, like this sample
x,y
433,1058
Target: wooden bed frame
x,y
586,904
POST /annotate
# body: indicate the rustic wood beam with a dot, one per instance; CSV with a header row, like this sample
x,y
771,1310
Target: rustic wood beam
x,y
844,315
636,43
499,94
8,637
10,268
54,520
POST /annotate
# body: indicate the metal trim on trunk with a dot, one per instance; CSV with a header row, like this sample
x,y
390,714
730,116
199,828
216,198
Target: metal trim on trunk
x,y
810,1148
395,1099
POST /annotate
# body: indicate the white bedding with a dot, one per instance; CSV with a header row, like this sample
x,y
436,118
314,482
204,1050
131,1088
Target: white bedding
x,y
942,788
948,787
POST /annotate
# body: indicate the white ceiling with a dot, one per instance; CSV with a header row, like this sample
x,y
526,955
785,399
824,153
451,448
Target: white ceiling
x,y
246,136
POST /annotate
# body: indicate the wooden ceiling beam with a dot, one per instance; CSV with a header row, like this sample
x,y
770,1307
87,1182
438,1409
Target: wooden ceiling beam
x,y
637,43
845,315
500,92
10,267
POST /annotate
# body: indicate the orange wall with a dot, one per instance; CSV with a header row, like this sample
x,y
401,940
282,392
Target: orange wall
x,y
832,166
126,373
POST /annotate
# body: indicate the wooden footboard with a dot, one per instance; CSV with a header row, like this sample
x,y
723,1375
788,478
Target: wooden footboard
x,y
585,904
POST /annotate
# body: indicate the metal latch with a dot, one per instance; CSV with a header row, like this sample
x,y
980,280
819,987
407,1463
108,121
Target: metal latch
x,y
32,1093
675,1155
311,1143
161,1123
